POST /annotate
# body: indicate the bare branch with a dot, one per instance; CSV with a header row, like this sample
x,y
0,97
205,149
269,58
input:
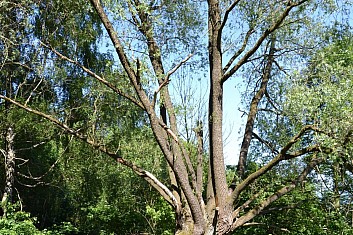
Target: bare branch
x,y
3,152
20,64
32,185
267,225
166,79
8,40
153,181
245,204
280,157
156,123
171,149
169,131
173,70
24,161
50,168
31,93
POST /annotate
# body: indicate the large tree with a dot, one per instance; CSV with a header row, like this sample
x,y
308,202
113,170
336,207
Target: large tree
x,y
151,41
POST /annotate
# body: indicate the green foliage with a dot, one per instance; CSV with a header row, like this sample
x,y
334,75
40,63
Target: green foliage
x,y
18,222
322,95
300,212
70,183
159,217
22,223
65,228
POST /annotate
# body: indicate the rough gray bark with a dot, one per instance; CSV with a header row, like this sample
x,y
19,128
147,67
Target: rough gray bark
x,y
222,219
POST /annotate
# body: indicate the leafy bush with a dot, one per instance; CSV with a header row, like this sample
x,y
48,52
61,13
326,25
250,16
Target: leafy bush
x,y
18,222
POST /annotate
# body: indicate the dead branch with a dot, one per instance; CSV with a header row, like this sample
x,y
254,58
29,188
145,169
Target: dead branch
x,y
173,70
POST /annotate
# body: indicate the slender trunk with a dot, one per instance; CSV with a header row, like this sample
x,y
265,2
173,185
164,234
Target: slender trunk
x,y
241,168
9,154
174,160
199,170
336,191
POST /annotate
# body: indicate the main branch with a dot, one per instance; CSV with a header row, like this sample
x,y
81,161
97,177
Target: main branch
x,y
174,160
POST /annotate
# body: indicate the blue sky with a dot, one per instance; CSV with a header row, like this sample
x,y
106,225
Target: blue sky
x,y
233,122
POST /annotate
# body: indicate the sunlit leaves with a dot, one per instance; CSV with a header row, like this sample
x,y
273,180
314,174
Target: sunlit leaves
x,y
322,94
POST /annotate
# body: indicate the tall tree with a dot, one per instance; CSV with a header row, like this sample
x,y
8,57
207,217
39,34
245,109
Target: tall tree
x,y
146,37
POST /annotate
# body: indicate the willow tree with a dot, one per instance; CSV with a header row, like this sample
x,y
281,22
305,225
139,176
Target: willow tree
x,y
324,89
151,41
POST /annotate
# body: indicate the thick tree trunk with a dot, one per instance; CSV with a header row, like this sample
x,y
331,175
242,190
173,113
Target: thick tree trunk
x,y
223,217
189,227
209,230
